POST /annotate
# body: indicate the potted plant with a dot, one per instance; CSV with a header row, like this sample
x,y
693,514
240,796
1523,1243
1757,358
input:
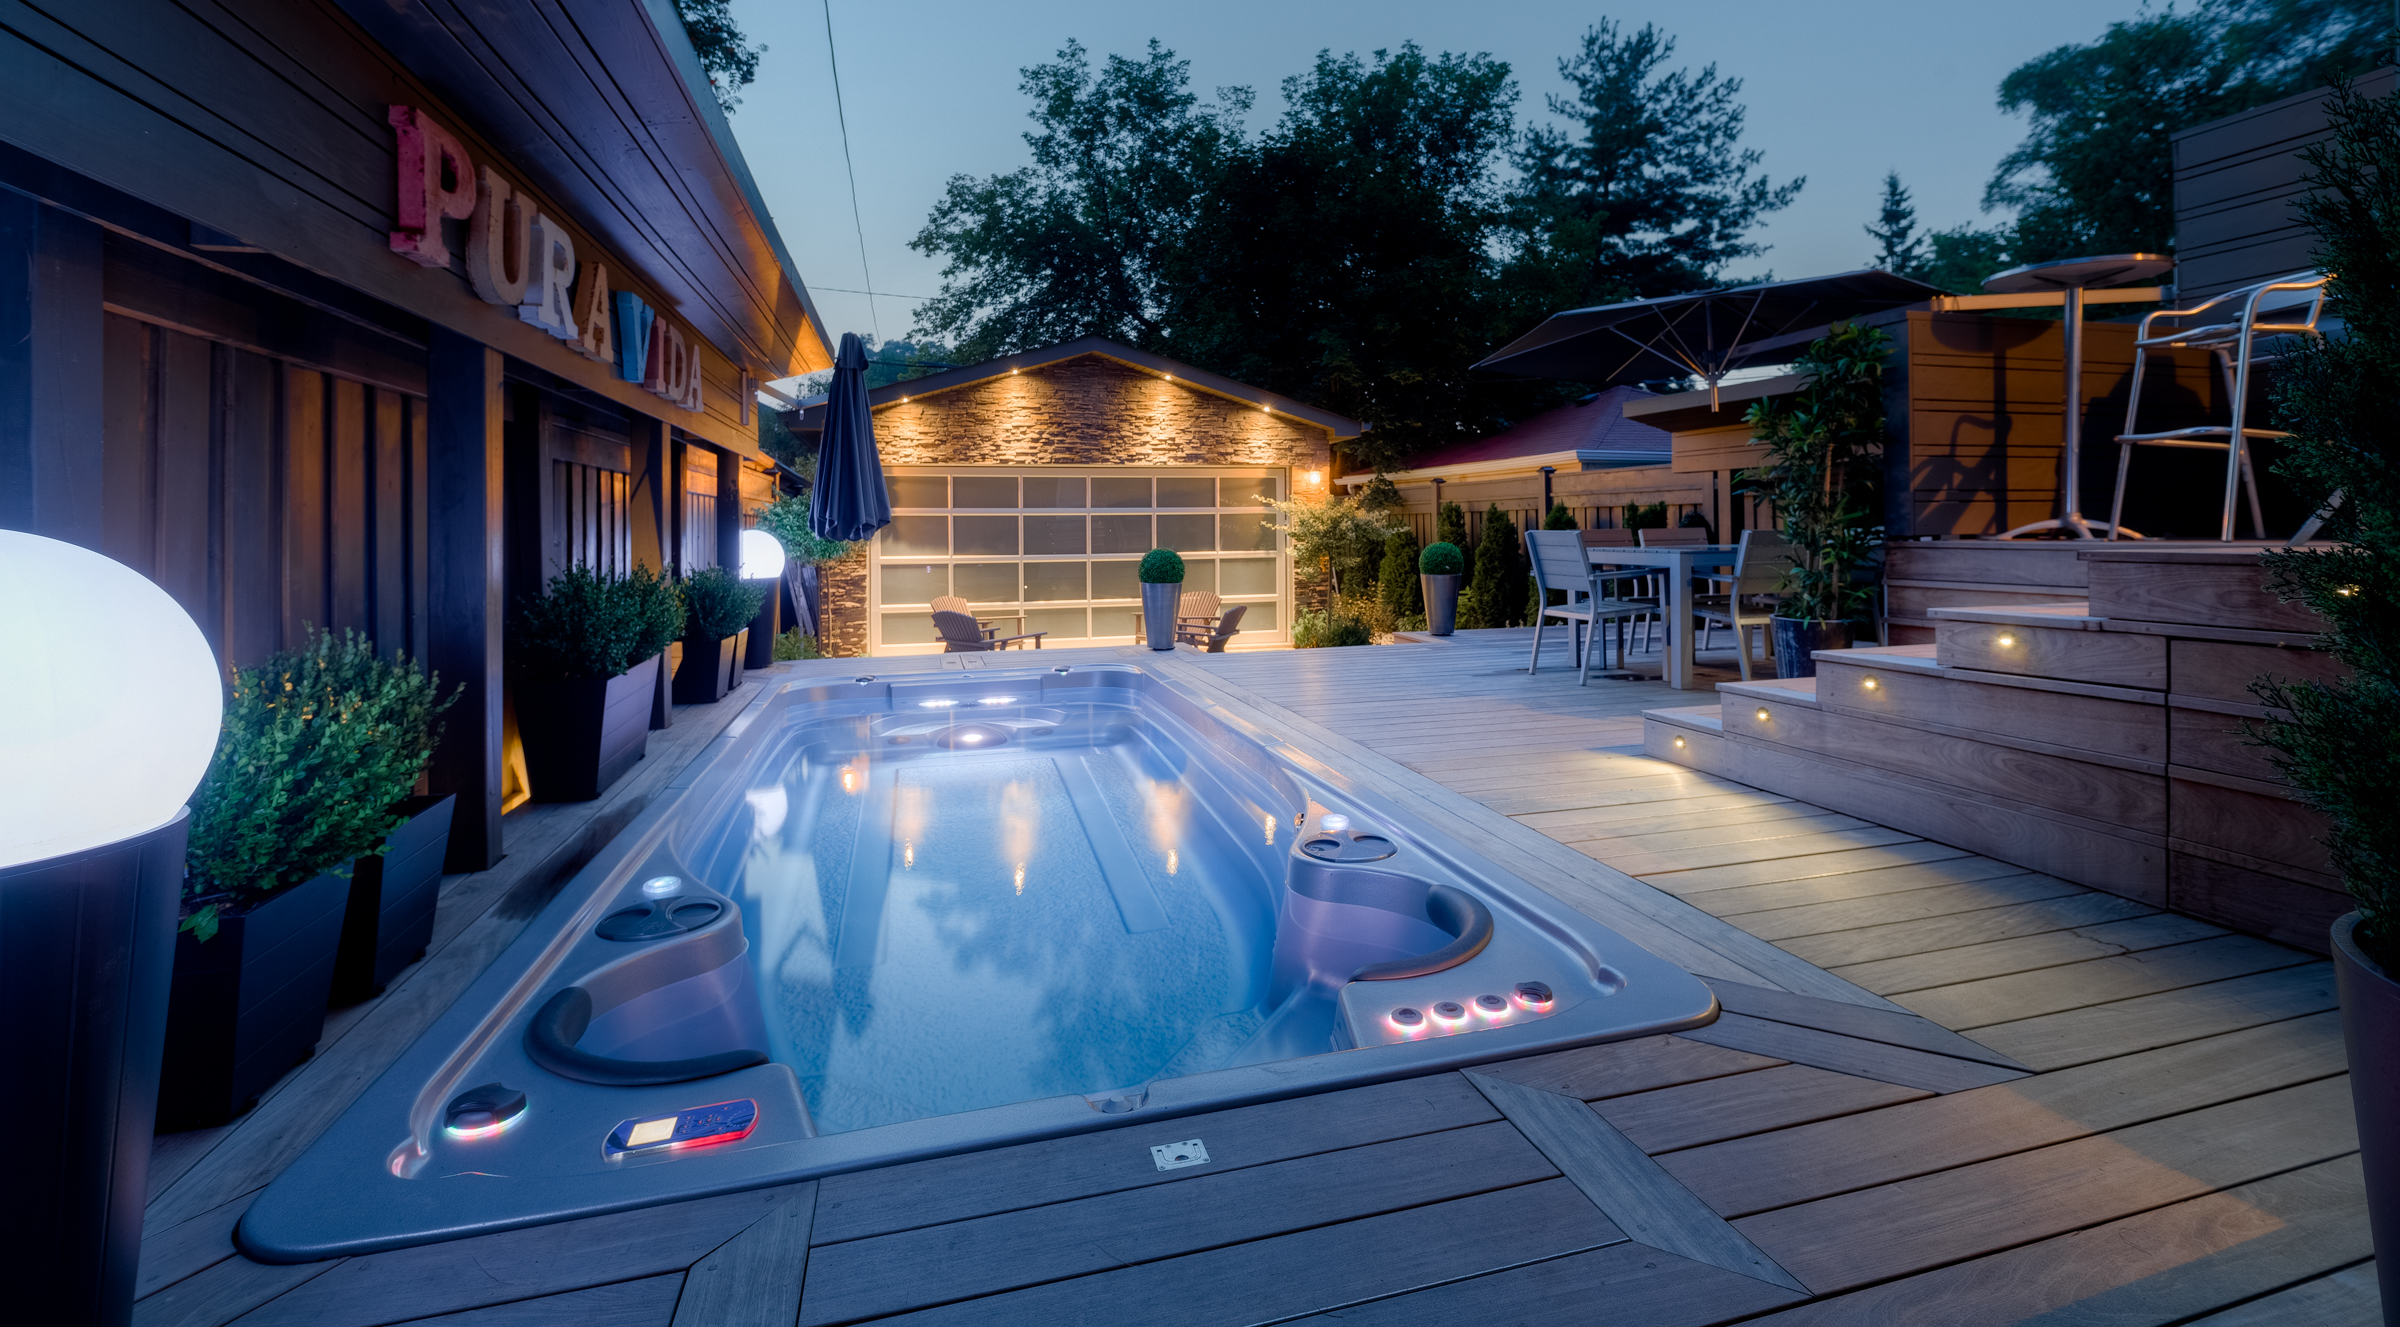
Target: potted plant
x,y
388,920
1440,568
1822,478
1162,589
2332,739
319,746
583,659
721,607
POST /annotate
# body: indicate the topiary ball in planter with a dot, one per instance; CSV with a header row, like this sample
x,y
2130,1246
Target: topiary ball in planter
x,y
1162,566
1162,591
1440,569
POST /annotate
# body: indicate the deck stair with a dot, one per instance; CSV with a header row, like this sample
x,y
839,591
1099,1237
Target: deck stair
x,y
2098,740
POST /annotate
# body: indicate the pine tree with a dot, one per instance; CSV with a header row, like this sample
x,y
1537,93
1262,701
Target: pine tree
x,y
1500,581
1450,527
1403,595
1899,249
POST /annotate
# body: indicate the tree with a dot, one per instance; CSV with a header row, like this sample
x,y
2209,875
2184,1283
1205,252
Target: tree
x,y
1450,527
1347,257
729,58
1824,447
1962,256
2095,173
1336,532
1079,243
2332,739
1500,581
1403,595
1650,193
1899,250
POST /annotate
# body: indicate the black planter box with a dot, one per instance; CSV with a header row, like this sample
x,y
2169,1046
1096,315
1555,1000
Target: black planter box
x,y
249,1003
662,709
582,736
707,671
389,919
759,649
741,659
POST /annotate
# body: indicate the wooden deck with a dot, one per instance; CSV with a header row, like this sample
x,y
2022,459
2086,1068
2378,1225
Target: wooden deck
x,y
1945,1090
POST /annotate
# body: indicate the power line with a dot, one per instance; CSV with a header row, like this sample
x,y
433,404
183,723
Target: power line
x,y
874,294
842,117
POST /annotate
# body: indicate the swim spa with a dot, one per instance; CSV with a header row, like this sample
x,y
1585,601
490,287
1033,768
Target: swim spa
x,y
888,918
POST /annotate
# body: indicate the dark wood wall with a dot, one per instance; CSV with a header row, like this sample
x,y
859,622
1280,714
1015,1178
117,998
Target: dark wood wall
x,y
266,495
2235,180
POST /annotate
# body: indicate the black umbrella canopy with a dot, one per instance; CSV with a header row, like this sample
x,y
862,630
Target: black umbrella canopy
x,y
1703,335
849,501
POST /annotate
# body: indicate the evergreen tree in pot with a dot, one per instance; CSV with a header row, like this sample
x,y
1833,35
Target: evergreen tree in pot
x,y
2333,739
319,749
719,608
1823,479
1162,590
583,662
1440,568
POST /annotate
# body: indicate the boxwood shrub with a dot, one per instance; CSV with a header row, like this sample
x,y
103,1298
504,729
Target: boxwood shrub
x,y
1441,560
1162,566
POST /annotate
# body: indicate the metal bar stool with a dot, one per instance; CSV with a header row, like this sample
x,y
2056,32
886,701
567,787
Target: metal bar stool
x,y
2234,343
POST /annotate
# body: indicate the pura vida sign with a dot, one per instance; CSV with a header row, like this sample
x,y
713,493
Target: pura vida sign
x,y
518,257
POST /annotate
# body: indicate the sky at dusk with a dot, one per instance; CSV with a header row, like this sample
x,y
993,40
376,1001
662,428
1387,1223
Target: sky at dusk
x,y
1837,92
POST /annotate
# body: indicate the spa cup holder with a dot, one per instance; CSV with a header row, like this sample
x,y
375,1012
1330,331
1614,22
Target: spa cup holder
x,y
1347,846
654,986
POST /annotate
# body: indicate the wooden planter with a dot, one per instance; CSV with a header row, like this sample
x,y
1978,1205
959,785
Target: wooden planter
x,y
389,919
707,671
581,736
249,1003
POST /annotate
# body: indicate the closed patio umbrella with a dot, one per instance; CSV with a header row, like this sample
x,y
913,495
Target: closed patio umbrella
x,y
849,501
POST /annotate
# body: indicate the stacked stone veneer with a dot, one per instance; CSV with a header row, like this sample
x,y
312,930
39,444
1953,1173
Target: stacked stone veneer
x,y
1089,410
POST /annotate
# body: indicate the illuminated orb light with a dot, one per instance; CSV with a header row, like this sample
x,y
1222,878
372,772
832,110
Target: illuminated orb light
x,y
90,755
762,556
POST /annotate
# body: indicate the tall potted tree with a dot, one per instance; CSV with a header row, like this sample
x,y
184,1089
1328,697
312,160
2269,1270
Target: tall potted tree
x,y
720,607
583,658
1162,574
319,747
2333,739
1822,478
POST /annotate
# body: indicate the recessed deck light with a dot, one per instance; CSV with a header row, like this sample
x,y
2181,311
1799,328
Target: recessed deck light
x,y
2007,639
1679,744
1762,714
1870,684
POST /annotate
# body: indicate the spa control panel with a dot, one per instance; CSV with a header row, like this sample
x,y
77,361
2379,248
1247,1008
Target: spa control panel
x,y
723,1122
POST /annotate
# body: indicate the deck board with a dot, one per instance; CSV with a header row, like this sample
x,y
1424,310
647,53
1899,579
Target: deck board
x,y
2180,1149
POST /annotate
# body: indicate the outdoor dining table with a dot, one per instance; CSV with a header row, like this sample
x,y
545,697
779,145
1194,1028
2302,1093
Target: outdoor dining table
x,y
1679,563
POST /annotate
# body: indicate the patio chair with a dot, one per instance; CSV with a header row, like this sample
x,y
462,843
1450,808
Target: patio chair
x,y
961,634
1213,638
2247,320
951,603
1559,564
1752,590
1642,588
1196,610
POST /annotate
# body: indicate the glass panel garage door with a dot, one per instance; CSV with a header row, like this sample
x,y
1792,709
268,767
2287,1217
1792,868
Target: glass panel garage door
x,y
1057,547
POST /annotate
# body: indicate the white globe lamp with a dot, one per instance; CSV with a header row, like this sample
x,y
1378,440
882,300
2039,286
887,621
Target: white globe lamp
x,y
92,755
762,555
762,560
96,763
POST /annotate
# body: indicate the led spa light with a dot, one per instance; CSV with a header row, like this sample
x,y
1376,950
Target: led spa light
x,y
1450,1013
665,886
1405,1019
762,556
87,758
1334,823
1491,1004
1534,994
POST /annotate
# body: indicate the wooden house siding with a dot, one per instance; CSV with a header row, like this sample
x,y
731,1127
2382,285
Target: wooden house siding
x,y
265,495
267,121
2235,181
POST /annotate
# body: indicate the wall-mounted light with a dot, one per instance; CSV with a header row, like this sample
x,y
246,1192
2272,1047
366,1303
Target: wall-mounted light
x,y
1316,476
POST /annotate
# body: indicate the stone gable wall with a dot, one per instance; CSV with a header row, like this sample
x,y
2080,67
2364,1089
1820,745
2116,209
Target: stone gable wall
x,y
1089,410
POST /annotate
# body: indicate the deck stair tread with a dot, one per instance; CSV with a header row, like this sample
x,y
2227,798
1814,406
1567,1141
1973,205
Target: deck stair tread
x,y
2074,616
1784,690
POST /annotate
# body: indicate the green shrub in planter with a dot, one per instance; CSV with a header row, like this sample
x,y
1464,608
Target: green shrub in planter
x,y
1441,560
584,626
720,603
319,745
1162,566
